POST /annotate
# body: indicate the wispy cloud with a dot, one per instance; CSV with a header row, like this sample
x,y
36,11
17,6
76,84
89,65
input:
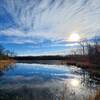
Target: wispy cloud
x,y
57,17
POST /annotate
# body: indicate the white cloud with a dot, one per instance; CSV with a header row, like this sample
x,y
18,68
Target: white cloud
x,y
54,19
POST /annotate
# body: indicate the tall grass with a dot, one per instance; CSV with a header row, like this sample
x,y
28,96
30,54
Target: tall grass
x,y
96,97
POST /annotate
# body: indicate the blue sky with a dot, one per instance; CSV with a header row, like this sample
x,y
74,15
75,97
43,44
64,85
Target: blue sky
x,y
38,27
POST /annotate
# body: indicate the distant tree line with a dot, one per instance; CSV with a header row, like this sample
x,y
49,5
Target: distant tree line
x,y
5,54
91,50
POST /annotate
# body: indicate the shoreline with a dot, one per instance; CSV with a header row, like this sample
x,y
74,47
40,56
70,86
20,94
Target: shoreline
x,y
4,63
92,68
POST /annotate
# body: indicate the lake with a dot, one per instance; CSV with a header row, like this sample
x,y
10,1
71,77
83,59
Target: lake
x,y
23,81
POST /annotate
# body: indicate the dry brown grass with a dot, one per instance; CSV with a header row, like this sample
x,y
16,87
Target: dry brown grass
x,y
4,63
96,97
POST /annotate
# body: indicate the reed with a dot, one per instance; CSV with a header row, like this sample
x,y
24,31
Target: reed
x,y
96,97
4,63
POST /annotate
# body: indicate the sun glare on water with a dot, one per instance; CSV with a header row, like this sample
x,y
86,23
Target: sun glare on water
x,y
75,82
74,37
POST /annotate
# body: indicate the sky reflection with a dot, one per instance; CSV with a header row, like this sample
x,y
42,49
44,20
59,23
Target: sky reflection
x,y
57,78
37,74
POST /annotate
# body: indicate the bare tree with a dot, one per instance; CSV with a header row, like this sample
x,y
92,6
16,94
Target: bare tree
x,y
5,54
91,49
1,49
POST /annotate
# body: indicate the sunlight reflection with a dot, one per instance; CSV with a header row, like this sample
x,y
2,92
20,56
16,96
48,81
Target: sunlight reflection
x,y
75,82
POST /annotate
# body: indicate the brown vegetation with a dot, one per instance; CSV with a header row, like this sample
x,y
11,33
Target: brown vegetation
x,y
96,97
4,63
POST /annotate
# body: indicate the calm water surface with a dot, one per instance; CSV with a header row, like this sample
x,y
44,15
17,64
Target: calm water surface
x,y
46,82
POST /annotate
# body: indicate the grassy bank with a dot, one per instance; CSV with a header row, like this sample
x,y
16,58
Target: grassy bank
x,y
92,68
4,63
96,97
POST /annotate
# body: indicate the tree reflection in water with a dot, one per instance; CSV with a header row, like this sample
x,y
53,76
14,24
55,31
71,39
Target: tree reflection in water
x,y
26,88
6,67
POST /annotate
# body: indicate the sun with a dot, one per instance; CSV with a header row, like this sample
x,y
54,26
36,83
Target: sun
x,y
74,37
